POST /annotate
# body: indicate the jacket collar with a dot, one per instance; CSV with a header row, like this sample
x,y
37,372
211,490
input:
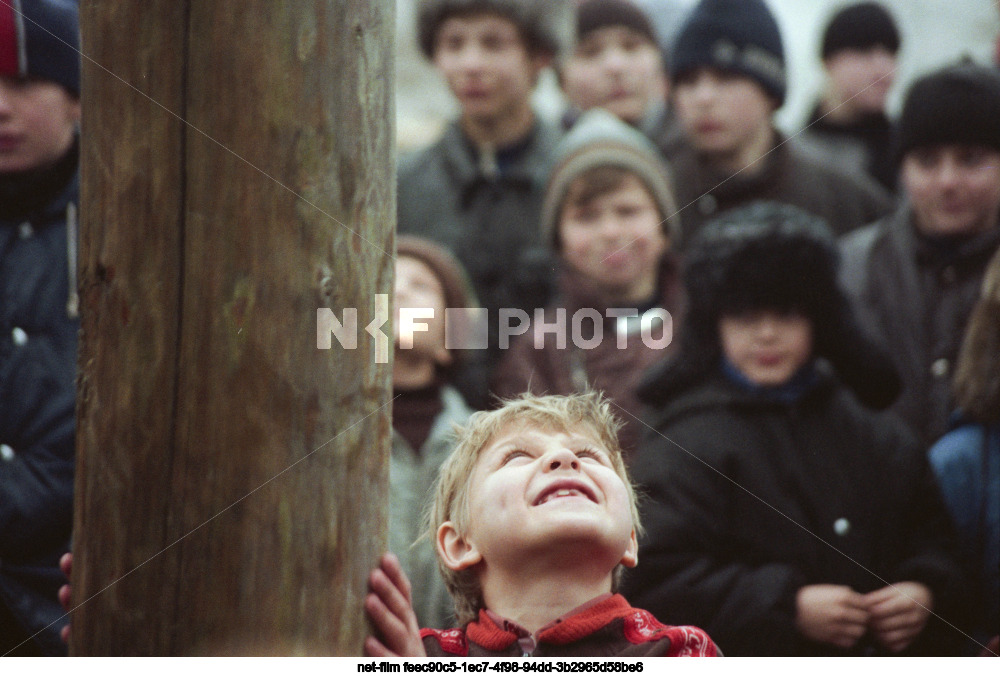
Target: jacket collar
x,y
463,166
53,190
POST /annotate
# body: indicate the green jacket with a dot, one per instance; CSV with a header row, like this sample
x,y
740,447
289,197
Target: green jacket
x,y
411,479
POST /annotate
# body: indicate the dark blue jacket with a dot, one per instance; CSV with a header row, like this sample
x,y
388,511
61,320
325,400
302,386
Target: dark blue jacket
x,y
38,339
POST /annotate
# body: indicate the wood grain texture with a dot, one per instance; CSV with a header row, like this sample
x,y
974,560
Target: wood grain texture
x,y
238,470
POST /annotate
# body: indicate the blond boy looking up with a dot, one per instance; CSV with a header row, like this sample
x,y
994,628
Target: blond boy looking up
x,y
534,516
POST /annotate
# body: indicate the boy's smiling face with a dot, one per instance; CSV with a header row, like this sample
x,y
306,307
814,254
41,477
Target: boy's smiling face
x,y
536,492
615,240
954,189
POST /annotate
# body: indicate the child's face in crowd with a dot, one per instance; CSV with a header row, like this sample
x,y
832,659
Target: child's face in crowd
x,y
536,491
418,287
37,123
861,78
721,112
615,68
954,189
487,65
768,347
615,239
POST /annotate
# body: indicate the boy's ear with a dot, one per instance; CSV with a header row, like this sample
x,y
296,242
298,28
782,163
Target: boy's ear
x,y
631,556
456,551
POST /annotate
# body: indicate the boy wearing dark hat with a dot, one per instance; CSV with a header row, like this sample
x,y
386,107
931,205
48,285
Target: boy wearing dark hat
x,y
916,274
783,514
849,124
425,407
39,114
617,65
728,79
610,215
478,189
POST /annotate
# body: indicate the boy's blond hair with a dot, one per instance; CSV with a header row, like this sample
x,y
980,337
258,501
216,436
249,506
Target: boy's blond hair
x,y
451,497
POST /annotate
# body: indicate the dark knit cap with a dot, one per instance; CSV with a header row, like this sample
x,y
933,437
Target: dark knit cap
x,y
739,36
772,256
455,283
41,39
862,26
958,104
594,14
547,25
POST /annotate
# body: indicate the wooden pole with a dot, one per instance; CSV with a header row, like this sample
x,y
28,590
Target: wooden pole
x,y
237,174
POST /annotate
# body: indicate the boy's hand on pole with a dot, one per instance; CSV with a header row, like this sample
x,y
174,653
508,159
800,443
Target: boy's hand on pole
x,y
898,613
391,612
66,592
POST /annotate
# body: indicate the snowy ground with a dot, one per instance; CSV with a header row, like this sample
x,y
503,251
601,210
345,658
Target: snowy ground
x,y
934,32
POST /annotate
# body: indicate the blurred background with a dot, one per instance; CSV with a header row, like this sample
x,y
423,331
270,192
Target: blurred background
x,y
933,32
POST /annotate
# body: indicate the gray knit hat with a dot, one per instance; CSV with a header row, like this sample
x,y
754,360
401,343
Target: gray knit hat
x,y
547,25
600,139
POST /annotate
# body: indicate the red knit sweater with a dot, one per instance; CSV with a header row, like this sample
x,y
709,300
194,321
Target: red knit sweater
x,y
605,627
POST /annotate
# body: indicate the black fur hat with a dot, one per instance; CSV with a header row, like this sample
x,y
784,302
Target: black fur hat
x,y
778,257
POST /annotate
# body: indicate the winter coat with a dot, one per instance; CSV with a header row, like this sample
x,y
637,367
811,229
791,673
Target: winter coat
x,y
38,339
412,474
919,305
864,145
967,463
615,370
791,175
749,499
606,627
487,216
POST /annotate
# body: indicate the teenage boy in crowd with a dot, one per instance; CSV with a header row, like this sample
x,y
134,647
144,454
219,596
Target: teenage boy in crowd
x,y
783,514
916,274
534,517
610,215
39,115
849,124
617,65
425,409
478,190
728,79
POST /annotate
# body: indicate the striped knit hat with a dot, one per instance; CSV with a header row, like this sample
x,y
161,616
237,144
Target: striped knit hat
x,y
600,139
41,39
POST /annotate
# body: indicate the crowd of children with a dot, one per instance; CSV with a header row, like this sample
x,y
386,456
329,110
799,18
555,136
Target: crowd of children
x,y
761,331
787,513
